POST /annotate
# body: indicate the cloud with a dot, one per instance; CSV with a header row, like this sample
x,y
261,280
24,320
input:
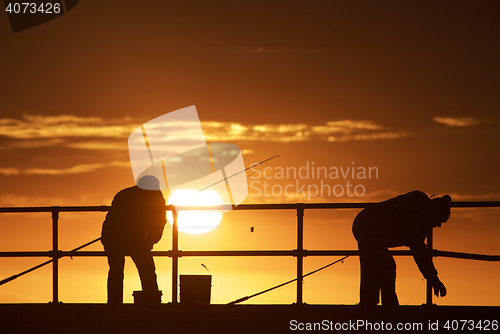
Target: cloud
x,y
457,121
465,197
42,127
99,145
318,197
345,126
60,119
260,50
233,132
96,133
35,143
16,200
370,197
369,136
340,131
77,169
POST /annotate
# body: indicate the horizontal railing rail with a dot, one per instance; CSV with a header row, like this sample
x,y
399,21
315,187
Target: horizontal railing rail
x,y
55,254
282,206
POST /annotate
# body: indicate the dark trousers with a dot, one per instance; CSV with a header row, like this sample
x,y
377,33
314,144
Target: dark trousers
x,y
145,266
378,275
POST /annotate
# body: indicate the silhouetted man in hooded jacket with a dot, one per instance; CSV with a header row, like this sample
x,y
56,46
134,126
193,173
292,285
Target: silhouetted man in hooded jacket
x,y
402,221
133,225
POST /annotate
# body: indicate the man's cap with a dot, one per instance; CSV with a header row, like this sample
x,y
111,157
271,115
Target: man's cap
x,y
442,206
148,182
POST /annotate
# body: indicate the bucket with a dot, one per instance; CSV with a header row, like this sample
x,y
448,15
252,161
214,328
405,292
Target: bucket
x,y
195,289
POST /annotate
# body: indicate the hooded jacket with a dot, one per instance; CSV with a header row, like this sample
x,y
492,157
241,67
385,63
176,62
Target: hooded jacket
x,y
135,220
405,220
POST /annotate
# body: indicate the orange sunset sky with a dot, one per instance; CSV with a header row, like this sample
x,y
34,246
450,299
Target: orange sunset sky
x,y
410,89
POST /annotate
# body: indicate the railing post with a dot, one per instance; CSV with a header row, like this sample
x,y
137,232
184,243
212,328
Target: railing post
x,y
300,251
55,258
175,256
429,250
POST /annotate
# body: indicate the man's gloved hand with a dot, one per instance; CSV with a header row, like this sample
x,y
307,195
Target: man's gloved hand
x,y
438,286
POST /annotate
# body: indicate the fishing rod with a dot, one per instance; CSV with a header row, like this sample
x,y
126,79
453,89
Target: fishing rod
x,y
224,179
460,255
283,284
13,277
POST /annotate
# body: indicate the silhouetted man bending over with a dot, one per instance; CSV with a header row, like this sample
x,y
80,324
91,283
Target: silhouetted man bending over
x,y
133,225
402,221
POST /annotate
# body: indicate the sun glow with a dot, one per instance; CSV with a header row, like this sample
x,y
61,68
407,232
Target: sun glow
x,y
195,222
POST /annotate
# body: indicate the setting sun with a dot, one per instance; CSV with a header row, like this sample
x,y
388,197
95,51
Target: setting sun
x,y
195,222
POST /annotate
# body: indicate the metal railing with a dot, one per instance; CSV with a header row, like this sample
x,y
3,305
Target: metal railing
x,y
55,254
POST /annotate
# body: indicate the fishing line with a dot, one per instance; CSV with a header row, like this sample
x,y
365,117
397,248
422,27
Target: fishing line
x,y
13,277
198,249
283,284
36,281
224,179
27,286
213,184
418,286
